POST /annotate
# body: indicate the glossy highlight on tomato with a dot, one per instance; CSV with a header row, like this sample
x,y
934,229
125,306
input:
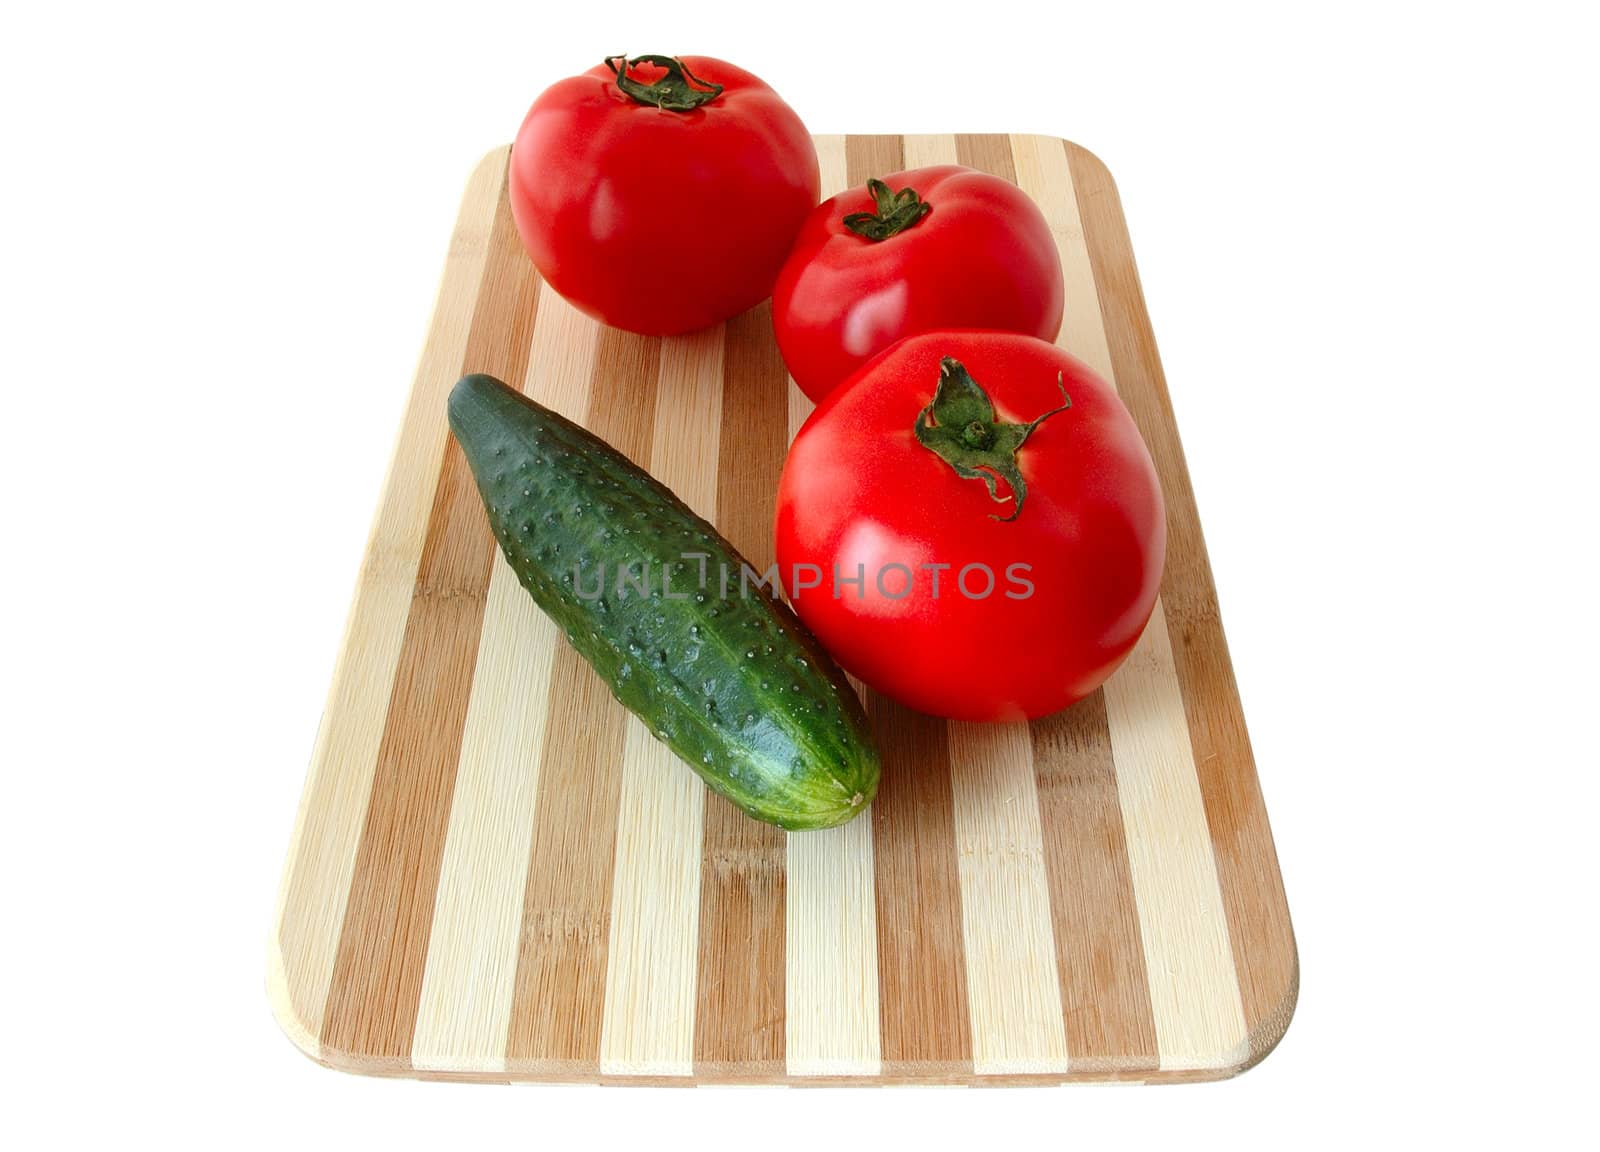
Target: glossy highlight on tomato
x,y
1003,513
661,194
932,248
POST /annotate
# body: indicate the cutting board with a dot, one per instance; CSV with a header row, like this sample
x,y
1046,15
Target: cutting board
x,y
498,874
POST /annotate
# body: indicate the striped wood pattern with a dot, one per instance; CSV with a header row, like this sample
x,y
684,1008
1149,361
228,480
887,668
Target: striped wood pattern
x,y
497,874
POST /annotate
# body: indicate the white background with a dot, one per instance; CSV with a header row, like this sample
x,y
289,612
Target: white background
x,y
1367,236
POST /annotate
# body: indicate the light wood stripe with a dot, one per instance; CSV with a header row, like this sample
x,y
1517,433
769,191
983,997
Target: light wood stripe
x,y
830,942
1041,171
651,981
1194,990
831,984
1247,862
333,807
383,947
1105,997
465,1011
832,166
469,983
1013,991
928,151
689,418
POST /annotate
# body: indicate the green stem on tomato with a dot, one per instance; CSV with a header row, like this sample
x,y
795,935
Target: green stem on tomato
x,y
680,90
959,426
896,211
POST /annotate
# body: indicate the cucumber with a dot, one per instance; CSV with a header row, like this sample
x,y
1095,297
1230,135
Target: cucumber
x,y
730,681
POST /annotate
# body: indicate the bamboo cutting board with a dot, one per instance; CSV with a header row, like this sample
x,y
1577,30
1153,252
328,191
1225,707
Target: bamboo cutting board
x,y
498,874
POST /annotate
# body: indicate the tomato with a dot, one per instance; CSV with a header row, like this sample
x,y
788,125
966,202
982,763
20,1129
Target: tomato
x,y
973,526
942,247
661,194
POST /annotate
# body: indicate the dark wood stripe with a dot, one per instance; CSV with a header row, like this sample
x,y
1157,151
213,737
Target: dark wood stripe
x,y
622,392
1247,863
755,435
987,153
740,992
922,977
558,1001
383,944
868,156
1105,995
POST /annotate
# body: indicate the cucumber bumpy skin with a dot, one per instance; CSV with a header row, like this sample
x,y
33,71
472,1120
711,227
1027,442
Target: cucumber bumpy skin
x,y
735,684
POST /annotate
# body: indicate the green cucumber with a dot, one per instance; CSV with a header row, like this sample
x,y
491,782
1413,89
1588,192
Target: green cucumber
x,y
724,674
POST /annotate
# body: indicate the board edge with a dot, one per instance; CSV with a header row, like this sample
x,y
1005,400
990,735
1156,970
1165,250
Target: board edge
x,y
281,996
1260,1042
1264,1038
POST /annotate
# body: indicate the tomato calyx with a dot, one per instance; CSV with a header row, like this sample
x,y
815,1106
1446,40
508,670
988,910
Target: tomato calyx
x,y
680,90
959,425
896,211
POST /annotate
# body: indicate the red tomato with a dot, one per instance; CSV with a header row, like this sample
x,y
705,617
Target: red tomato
x,y
1043,585
959,249
661,194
